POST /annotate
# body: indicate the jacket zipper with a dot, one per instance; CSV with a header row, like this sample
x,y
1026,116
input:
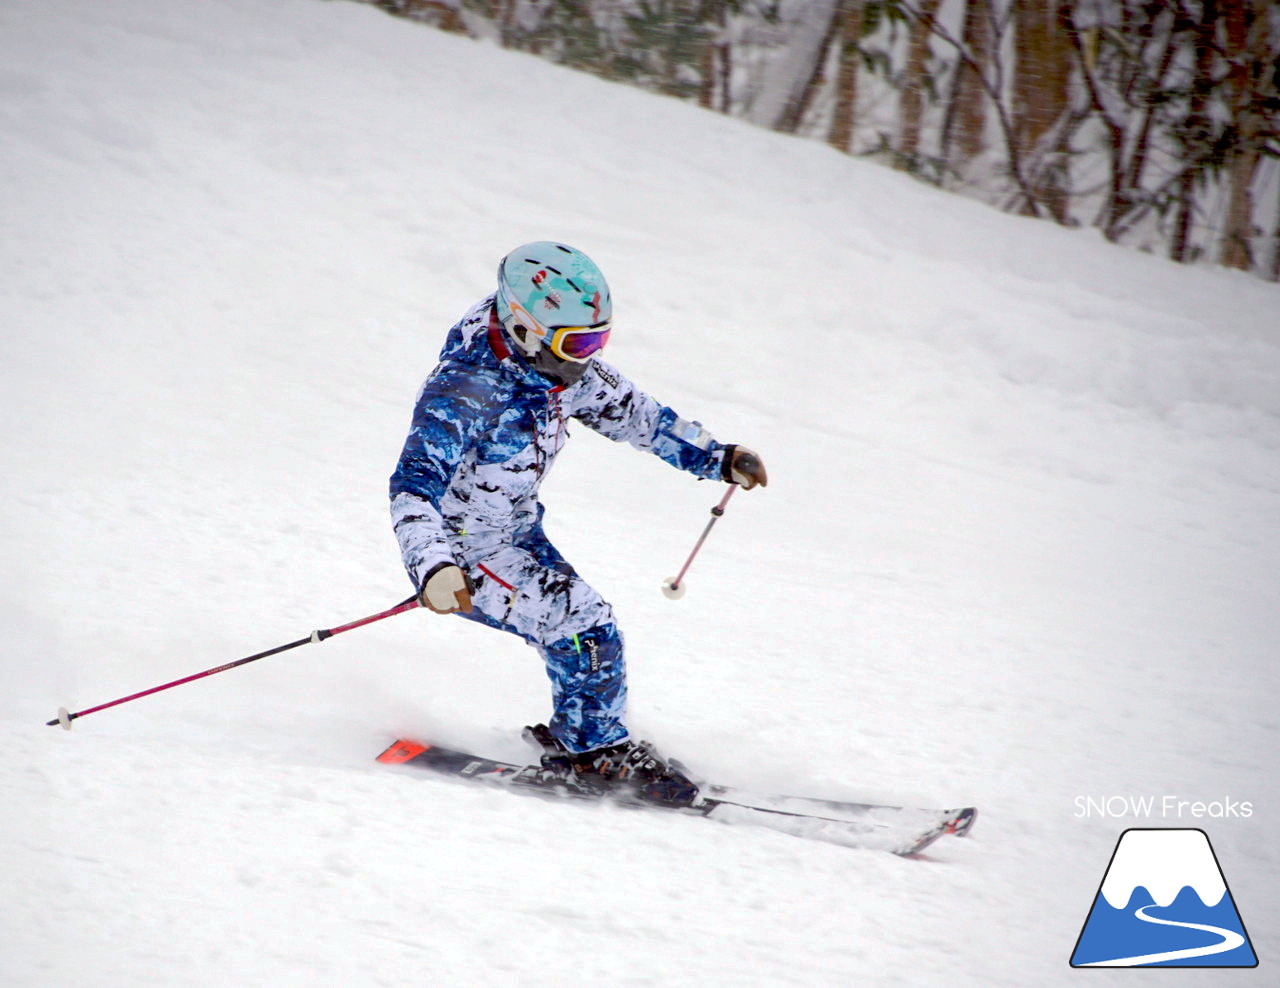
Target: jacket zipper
x,y
553,403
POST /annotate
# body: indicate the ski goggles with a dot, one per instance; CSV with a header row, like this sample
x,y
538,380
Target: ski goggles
x,y
578,343
575,344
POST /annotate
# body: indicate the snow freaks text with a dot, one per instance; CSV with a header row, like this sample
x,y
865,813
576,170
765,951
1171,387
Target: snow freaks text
x,y
1163,807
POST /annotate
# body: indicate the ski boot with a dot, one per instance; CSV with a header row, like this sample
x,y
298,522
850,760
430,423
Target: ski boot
x,y
555,756
630,768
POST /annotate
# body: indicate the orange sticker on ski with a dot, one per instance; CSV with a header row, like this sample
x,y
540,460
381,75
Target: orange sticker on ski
x,y
402,751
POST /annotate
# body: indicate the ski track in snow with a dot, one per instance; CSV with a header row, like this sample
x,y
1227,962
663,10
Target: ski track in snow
x,y
1023,518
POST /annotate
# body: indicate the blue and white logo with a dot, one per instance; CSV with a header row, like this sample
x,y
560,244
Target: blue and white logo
x,y
1163,903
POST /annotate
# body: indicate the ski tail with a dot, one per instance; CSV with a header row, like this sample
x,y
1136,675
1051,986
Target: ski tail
x,y
401,752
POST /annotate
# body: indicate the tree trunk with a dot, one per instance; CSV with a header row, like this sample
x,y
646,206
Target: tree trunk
x,y
1242,46
707,76
1127,200
714,57
1041,74
840,134
793,77
911,99
1237,234
1195,130
965,130
1275,245
726,77
797,108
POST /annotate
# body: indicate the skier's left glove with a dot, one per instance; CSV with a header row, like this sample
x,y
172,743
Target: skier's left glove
x,y
743,467
446,589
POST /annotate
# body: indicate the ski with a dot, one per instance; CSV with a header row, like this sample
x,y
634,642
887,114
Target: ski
x,y
900,830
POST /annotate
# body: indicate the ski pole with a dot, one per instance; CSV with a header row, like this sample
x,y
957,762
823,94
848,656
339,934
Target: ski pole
x,y
674,587
65,718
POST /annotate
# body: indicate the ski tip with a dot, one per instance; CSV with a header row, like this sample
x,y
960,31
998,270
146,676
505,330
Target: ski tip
x,y
962,822
956,823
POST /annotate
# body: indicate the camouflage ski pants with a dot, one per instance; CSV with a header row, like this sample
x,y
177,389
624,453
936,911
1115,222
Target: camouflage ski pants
x,y
528,589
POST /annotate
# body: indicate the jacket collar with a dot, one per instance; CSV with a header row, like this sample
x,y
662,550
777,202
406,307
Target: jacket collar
x,y
515,362
496,341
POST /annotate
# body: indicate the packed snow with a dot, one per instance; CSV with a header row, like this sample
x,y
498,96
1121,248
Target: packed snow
x,y
1019,546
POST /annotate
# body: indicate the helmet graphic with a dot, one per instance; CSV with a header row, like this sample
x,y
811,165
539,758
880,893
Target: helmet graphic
x,y
553,298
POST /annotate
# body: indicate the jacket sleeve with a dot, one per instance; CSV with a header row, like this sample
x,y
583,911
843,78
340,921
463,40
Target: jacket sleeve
x,y
447,417
614,407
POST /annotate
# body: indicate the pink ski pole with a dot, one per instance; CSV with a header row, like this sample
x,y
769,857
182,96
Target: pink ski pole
x,y
674,587
65,718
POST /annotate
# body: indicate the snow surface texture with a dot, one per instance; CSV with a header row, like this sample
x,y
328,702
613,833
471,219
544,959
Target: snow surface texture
x,y
1020,543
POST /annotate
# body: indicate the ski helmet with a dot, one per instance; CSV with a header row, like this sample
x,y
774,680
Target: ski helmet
x,y
554,302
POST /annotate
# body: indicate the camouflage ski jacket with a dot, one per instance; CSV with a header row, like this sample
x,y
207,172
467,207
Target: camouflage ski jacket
x,y
486,429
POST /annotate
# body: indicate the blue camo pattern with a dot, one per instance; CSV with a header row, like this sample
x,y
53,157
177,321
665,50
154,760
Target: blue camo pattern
x,y
588,688
530,590
486,430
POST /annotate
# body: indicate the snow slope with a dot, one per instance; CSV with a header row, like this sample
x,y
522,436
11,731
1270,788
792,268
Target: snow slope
x,y
1020,544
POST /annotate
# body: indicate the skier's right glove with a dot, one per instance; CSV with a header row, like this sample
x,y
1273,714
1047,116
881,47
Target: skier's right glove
x,y
743,467
446,589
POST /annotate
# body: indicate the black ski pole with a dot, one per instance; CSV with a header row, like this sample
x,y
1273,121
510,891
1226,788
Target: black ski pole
x,y
65,718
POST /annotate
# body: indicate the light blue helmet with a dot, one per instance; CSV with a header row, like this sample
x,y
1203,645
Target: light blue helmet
x,y
553,297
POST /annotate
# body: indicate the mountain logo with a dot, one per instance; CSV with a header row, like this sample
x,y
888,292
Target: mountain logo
x,y
1163,902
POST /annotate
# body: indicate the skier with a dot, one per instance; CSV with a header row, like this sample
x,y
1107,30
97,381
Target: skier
x,y
487,425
